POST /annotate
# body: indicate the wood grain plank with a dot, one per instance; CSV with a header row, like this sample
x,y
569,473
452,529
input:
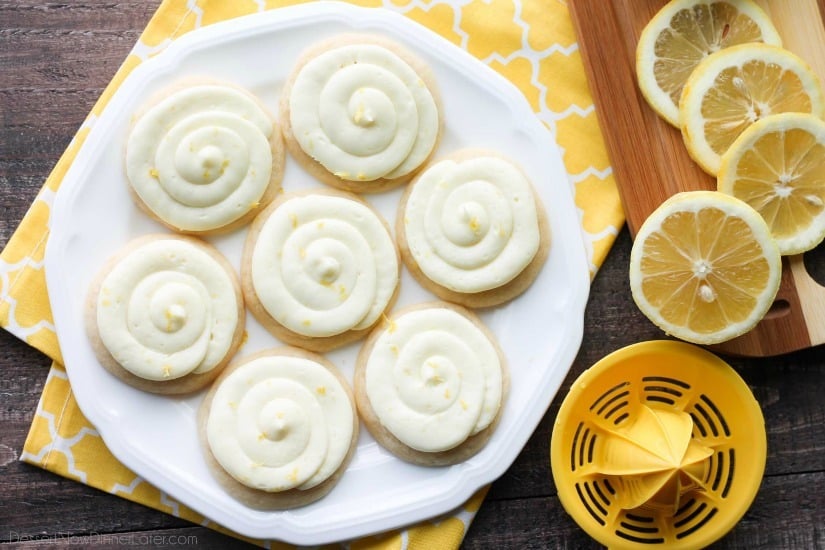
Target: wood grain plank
x,y
26,69
650,160
38,503
801,28
76,15
647,154
784,515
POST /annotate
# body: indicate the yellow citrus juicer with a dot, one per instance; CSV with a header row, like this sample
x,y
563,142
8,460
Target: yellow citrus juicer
x,y
658,444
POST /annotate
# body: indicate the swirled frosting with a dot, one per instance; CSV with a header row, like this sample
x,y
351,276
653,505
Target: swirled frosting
x,y
434,379
363,113
323,265
280,422
201,158
167,309
472,225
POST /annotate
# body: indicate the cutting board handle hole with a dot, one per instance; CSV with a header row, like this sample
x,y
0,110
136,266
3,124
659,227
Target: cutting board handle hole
x,y
779,308
814,261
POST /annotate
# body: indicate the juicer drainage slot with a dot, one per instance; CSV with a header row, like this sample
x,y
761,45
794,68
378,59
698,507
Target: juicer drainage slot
x,y
660,443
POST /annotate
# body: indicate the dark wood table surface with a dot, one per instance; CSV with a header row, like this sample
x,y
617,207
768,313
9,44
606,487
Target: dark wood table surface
x,y
56,58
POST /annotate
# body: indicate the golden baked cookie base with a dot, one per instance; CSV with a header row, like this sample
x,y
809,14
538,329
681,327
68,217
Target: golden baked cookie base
x,y
253,303
185,384
487,298
256,498
316,169
276,144
385,438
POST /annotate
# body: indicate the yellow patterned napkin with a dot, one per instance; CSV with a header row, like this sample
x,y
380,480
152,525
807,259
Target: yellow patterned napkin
x,y
530,42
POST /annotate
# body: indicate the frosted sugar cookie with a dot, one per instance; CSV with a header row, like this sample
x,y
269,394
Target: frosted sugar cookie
x,y
319,268
430,384
205,158
278,428
472,230
165,314
361,113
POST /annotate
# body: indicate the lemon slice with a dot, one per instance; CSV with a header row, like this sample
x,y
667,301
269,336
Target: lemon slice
x,y
704,267
735,87
682,34
777,166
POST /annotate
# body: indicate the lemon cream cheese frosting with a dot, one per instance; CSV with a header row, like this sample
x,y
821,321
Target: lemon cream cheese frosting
x,y
321,264
362,112
168,308
280,422
471,225
472,229
432,377
203,157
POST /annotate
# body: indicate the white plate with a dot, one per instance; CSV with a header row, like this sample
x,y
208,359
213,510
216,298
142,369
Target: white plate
x,y
155,436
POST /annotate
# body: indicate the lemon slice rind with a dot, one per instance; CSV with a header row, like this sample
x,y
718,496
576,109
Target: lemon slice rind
x,y
814,233
646,57
704,77
694,201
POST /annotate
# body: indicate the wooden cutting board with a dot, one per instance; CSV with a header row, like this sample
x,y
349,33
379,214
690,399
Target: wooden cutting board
x,y
649,159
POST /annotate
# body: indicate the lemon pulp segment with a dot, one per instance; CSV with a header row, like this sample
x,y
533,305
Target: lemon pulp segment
x,y
704,267
736,87
682,34
698,280
778,167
